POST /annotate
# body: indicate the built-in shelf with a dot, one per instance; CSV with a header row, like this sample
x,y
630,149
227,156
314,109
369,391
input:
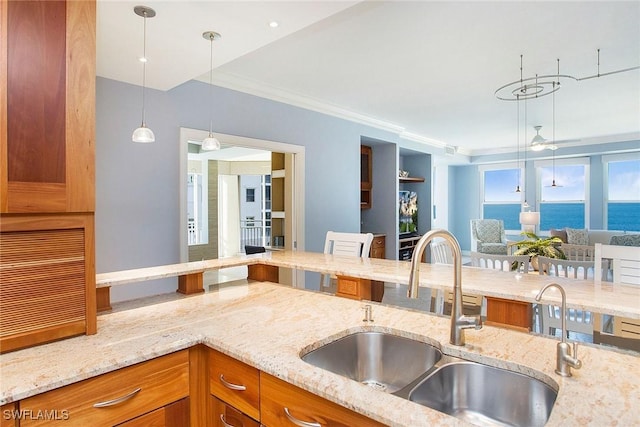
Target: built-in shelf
x,y
411,179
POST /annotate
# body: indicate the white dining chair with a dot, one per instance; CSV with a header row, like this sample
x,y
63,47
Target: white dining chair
x,y
500,262
624,265
580,321
441,254
345,244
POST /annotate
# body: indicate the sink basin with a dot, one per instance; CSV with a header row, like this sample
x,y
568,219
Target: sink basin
x,y
485,395
382,361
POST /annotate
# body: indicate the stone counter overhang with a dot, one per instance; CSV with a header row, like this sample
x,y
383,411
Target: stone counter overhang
x,y
610,298
268,326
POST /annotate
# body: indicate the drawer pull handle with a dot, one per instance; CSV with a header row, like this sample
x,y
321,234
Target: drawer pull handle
x,y
298,422
231,385
226,424
117,400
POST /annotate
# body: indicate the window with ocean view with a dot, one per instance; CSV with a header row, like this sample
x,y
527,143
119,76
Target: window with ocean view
x,y
623,194
500,200
565,204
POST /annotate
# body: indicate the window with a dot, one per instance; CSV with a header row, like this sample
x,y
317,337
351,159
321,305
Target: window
x,y
250,195
565,204
500,199
622,192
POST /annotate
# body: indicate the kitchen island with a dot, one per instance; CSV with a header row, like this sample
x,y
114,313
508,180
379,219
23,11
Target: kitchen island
x,y
268,326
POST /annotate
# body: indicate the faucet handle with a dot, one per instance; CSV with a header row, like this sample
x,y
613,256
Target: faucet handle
x,y
577,362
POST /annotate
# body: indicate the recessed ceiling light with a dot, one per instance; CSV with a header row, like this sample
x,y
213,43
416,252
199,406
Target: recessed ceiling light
x,y
274,24
142,59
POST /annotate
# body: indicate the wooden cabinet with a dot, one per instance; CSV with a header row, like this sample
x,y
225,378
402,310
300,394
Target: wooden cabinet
x,y
281,403
508,313
173,415
366,181
378,246
118,396
353,287
235,383
225,415
47,172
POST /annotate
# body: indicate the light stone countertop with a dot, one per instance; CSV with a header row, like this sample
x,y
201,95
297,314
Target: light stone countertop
x,y
611,298
268,325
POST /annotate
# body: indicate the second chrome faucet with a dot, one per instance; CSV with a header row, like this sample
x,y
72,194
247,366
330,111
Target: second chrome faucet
x,y
459,322
565,357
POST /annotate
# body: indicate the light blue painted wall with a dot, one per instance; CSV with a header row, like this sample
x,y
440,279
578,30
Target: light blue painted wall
x,y
137,184
464,202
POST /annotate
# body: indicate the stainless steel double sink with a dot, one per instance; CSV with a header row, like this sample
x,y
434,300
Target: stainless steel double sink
x,y
480,394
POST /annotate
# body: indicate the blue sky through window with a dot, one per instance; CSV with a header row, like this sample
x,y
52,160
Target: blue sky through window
x,y
570,181
624,180
500,185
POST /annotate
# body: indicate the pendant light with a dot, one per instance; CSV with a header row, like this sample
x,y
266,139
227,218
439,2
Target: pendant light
x,y
210,143
553,147
143,133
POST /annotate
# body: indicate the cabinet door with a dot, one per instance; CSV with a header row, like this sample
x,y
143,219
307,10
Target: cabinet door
x,y
282,404
235,383
173,415
225,415
47,106
114,397
47,278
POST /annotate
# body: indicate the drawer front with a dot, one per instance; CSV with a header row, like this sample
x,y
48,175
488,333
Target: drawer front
x,y
280,400
160,382
173,415
225,415
235,383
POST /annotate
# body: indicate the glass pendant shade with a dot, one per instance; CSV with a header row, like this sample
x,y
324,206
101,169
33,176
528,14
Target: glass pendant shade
x,y
143,134
210,143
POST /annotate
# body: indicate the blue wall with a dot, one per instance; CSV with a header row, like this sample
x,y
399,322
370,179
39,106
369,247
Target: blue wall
x,y
137,206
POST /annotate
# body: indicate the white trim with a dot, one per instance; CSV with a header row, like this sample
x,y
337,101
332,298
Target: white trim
x,y
547,163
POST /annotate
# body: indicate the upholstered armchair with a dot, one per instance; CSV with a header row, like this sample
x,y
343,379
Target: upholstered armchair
x,y
488,236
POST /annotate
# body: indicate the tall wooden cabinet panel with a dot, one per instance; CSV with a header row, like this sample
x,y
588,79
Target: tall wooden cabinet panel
x,y
48,108
47,170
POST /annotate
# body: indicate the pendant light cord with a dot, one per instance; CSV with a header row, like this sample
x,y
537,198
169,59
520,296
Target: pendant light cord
x,y
144,64
211,37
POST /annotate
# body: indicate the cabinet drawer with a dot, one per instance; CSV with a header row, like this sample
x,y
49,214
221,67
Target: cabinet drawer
x,y
225,415
280,398
159,381
235,383
173,415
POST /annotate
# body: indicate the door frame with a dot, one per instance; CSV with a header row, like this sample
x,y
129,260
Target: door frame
x,y
298,215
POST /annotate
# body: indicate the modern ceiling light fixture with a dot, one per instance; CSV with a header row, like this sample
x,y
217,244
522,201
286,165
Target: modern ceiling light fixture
x,y
539,86
210,143
143,133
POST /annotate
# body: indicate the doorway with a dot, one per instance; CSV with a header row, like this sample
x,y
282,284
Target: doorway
x,y
223,180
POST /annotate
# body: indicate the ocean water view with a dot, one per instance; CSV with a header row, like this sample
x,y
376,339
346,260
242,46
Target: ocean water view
x,y
620,216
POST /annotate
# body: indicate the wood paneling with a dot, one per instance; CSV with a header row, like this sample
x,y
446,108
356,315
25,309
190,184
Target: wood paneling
x,y
199,386
36,80
48,107
3,105
161,381
513,314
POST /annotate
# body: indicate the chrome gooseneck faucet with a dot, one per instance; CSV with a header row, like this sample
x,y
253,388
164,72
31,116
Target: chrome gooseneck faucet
x,y
459,322
564,359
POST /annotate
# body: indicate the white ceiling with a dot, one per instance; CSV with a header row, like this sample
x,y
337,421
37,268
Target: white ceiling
x,y
424,69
